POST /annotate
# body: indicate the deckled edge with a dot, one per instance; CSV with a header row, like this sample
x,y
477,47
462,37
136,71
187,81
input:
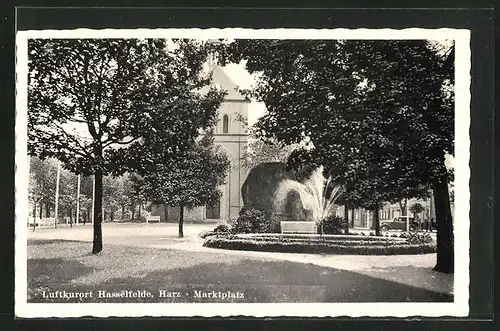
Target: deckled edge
x,y
411,310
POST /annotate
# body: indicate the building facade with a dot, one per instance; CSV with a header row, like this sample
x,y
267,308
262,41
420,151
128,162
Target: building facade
x,y
231,135
360,218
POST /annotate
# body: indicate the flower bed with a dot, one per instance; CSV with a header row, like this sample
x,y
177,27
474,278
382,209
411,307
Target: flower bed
x,y
328,244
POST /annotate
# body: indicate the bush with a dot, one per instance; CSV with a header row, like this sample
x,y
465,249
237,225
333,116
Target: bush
x,y
205,234
418,238
315,246
252,221
405,235
221,228
332,225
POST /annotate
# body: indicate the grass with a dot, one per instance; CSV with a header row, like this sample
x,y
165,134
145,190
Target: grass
x,y
55,265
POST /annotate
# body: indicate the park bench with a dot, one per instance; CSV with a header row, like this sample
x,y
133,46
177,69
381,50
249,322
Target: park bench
x,y
298,227
152,219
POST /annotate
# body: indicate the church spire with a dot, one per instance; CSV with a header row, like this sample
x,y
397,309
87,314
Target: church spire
x,y
212,57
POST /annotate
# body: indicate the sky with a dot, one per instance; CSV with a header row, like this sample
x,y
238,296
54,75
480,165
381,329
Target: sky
x,y
241,77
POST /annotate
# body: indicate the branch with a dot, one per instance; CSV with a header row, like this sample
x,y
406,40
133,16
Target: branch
x,y
73,139
76,120
111,142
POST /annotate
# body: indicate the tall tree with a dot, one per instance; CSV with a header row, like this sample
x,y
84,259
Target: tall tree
x,y
378,113
190,181
259,151
67,194
98,104
42,183
416,209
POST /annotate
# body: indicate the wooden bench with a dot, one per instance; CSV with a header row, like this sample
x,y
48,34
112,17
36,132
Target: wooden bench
x,y
152,219
298,227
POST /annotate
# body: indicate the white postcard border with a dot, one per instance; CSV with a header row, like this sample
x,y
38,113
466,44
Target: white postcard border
x,y
460,305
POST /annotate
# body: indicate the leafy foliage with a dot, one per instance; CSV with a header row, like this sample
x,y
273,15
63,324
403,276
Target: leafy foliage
x,y
107,106
356,101
191,180
42,182
417,238
332,225
416,208
252,220
221,228
259,152
379,114
367,245
116,96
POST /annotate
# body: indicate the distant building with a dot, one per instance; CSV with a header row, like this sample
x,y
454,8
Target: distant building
x,y
360,218
231,135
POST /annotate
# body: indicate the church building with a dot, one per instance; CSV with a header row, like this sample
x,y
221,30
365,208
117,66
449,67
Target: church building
x,y
231,134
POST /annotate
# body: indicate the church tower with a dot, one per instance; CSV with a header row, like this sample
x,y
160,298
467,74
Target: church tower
x,y
231,135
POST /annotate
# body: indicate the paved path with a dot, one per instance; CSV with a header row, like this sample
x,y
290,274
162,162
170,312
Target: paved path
x,y
413,270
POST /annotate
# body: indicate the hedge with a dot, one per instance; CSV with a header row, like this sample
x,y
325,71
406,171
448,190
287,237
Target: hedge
x,y
326,237
327,247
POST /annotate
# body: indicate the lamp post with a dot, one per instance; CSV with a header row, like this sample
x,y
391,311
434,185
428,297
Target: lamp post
x,y
78,201
93,201
56,209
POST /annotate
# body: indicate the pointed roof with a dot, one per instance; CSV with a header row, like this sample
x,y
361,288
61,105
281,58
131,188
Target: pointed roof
x,y
220,78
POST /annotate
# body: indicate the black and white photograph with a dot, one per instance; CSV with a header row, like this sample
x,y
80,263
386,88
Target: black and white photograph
x,y
259,172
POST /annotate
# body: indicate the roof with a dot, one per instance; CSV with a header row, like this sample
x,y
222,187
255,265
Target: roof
x,y
220,78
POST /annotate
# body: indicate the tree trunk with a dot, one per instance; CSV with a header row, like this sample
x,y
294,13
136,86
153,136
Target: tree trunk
x,y
132,209
165,211
97,243
34,216
123,212
140,211
352,218
41,210
181,221
376,221
444,221
346,219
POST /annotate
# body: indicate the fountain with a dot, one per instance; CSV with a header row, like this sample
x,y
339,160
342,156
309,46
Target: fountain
x,y
317,194
309,203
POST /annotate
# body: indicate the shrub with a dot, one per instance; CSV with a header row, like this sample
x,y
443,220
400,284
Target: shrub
x,y
293,246
417,238
243,210
252,221
404,235
332,225
221,228
205,234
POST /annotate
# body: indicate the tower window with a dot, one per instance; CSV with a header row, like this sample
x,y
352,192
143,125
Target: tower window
x,y
225,124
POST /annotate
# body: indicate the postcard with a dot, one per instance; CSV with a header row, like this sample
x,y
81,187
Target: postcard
x,y
242,172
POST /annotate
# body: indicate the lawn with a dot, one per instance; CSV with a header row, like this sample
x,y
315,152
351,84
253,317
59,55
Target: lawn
x,y
58,265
